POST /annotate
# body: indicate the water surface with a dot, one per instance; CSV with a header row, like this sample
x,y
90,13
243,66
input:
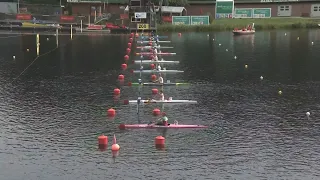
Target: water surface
x,y
52,114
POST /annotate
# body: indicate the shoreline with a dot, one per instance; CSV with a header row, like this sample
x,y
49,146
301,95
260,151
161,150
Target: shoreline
x,y
230,24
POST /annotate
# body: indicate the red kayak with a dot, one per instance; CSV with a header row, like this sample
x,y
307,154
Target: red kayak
x,y
153,126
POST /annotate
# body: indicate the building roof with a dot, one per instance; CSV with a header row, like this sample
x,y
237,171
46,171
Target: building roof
x,y
167,9
172,9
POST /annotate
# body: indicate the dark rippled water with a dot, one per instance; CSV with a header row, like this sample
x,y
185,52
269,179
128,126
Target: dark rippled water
x,y
52,114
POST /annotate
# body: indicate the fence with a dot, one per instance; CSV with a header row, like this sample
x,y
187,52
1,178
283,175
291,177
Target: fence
x,y
62,19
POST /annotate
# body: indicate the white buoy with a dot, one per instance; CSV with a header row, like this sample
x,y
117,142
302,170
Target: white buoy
x,y
308,114
280,92
235,57
227,50
298,38
219,44
47,39
312,43
14,57
208,35
212,39
261,78
246,66
285,34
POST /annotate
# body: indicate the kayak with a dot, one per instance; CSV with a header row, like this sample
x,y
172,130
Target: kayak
x,y
157,71
152,126
151,47
159,84
155,62
153,42
150,53
161,102
149,37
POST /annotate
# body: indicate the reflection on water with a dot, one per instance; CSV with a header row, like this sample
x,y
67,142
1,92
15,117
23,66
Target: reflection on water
x,y
51,116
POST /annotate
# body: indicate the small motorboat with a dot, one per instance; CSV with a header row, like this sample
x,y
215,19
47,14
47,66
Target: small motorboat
x,y
244,31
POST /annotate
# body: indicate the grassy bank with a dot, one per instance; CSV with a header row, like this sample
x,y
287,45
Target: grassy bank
x,y
230,24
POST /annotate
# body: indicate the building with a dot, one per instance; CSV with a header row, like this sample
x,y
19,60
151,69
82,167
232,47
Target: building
x,y
121,8
279,8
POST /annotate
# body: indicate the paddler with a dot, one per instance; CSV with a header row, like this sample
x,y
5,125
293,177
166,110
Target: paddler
x,y
163,121
155,50
155,58
158,67
160,79
161,95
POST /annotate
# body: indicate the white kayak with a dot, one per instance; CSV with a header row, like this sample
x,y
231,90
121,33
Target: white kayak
x,y
155,62
151,47
157,71
152,101
153,42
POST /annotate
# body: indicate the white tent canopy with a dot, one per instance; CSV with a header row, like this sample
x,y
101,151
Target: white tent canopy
x,y
166,9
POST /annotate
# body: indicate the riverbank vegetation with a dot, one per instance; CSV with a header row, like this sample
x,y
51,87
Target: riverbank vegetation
x,y
230,24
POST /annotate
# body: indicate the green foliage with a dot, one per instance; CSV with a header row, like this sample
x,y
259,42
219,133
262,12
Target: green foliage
x,y
230,24
176,2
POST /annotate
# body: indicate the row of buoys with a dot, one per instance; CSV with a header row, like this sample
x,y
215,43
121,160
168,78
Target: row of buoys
x,y
112,112
103,140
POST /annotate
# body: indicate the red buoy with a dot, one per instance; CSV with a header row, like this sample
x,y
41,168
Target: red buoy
x,y
152,66
121,77
124,66
137,35
129,45
111,112
156,112
128,51
130,40
116,91
150,43
155,91
103,140
126,57
160,142
153,77
125,102
179,34
151,56
131,35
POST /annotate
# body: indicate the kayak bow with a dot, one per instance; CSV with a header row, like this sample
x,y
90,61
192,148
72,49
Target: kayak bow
x,y
155,62
150,53
157,71
163,102
157,47
152,126
153,42
159,84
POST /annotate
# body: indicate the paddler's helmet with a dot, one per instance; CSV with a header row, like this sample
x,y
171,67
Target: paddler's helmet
x,y
164,114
